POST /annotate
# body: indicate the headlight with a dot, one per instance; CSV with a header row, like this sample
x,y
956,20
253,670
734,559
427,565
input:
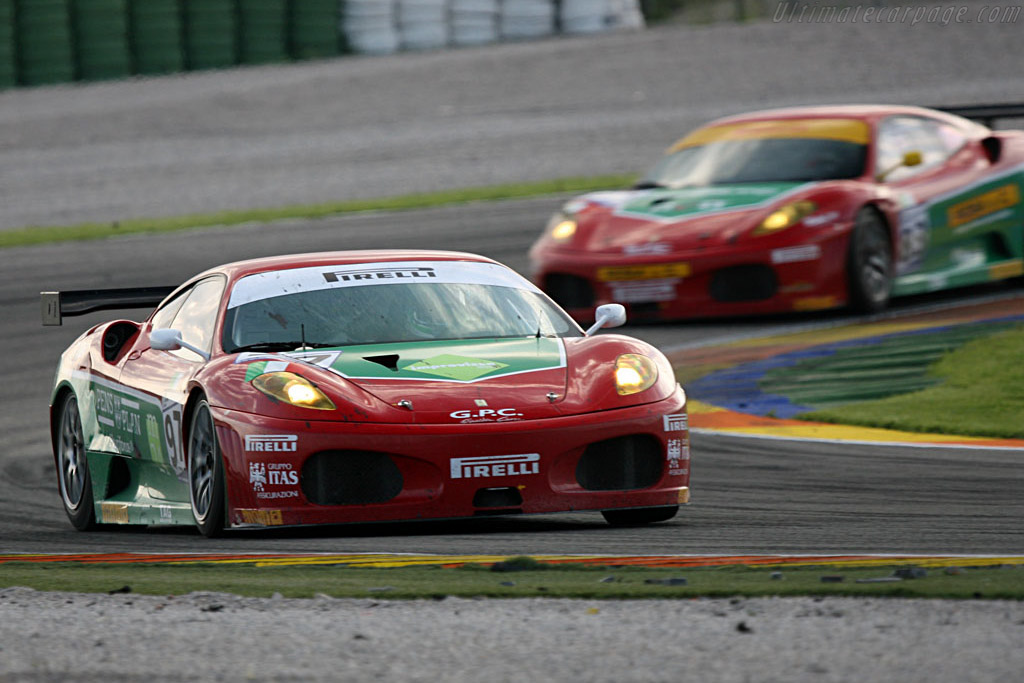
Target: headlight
x,y
634,373
561,227
296,390
785,217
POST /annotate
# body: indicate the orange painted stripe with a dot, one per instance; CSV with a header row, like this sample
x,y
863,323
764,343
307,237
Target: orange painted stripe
x,y
703,416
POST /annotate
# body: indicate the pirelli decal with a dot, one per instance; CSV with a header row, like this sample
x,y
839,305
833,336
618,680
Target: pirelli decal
x,y
996,199
485,466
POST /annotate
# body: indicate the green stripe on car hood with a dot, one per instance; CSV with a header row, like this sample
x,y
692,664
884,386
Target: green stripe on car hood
x,y
695,201
448,361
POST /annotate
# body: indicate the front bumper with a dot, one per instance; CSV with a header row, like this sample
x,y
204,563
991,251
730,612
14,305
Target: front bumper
x,y
755,278
286,472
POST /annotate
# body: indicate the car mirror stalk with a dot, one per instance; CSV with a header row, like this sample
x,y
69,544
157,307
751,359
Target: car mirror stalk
x,y
170,340
608,315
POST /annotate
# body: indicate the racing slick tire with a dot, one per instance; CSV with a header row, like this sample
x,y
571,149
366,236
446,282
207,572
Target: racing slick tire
x,y
205,472
73,477
638,516
869,263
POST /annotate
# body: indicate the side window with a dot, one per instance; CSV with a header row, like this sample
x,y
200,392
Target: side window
x,y
197,316
897,135
163,317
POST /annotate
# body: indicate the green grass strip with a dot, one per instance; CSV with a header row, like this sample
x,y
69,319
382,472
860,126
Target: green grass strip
x,y
899,364
979,392
30,235
553,581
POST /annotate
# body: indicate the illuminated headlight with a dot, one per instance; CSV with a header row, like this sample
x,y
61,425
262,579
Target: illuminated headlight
x,y
785,217
634,373
561,227
288,387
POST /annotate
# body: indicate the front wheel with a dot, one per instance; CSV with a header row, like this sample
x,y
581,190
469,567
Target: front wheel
x,y
205,472
869,263
73,467
638,516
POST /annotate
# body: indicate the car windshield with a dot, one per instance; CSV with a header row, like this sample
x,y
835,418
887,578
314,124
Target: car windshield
x,y
758,152
331,306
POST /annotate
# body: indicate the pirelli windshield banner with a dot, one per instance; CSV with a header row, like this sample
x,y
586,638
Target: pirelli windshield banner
x,y
282,282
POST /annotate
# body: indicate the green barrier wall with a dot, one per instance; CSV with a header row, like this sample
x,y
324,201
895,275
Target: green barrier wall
x,y
155,36
43,42
315,30
57,41
262,31
8,67
211,28
100,30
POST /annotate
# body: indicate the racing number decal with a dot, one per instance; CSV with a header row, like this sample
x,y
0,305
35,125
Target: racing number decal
x,y
172,434
914,230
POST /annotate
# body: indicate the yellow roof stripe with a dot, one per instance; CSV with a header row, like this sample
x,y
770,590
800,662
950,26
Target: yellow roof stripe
x,y
845,130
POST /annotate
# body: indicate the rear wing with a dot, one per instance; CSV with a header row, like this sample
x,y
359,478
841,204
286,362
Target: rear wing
x,y
986,114
57,305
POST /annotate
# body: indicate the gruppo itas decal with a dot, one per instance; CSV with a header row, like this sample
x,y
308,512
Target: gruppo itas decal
x,y
678,456
495,466
263,475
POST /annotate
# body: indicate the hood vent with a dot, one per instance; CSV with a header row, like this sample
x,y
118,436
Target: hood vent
x,y
390,361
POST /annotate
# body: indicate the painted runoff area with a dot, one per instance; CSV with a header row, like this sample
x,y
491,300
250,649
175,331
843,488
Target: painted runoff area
x,y
754,387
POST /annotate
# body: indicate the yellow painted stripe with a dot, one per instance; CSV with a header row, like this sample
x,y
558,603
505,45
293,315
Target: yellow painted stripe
x,y
1001,271
844,130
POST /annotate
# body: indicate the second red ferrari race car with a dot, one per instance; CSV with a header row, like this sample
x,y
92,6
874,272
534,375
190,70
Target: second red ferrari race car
x,y
355,387
798,209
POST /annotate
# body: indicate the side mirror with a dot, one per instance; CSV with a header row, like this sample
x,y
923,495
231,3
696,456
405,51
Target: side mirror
x,y
912,159
608,315
170,340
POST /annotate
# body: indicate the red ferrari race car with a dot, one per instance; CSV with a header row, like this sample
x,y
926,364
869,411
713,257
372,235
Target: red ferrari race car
x,y
355,387
795,210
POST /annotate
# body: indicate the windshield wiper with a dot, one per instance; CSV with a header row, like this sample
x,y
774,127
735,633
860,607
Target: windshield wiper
x,y
281,346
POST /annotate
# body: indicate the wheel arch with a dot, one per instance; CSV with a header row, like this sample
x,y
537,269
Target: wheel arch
x,y
60,394
891,226
195,395
857,297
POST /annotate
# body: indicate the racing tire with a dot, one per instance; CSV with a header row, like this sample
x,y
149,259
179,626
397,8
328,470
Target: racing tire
x,y
73,478
205,472
869,263
638,516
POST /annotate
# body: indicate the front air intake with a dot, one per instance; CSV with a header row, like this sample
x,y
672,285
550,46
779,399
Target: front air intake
x,y
350,478
735,284
498,497
621,464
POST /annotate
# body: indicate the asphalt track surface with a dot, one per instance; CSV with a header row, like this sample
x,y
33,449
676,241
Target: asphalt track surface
x,y
372,127
750,496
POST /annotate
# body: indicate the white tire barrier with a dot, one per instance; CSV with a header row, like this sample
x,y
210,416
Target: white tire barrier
x,y
369,26
423,24
474,22
387,26
524,19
